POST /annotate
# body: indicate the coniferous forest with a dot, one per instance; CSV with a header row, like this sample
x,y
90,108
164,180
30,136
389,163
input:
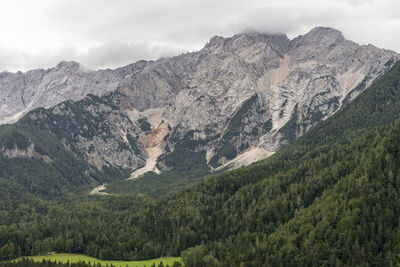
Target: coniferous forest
x,y
332,198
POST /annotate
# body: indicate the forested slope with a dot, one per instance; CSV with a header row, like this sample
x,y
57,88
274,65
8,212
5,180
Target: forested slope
x,y
340,208
35,167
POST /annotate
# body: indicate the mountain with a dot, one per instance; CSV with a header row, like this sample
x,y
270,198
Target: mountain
x,y
34,162
22,92
237,100
329,198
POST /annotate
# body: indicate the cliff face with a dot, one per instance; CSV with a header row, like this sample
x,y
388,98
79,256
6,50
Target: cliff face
x,y
22,92
237,100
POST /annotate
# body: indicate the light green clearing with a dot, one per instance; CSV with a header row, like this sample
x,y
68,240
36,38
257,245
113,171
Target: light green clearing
x,y
73,258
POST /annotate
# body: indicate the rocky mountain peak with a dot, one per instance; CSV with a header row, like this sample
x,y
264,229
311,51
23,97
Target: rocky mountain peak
x,y
69,80
69,66
215,41
278,42
243,97
325,31
324,36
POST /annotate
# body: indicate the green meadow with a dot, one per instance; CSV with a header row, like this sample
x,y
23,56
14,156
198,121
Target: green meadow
x,y
72,258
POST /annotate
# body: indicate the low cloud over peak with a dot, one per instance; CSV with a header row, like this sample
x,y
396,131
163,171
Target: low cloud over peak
x,y
103,34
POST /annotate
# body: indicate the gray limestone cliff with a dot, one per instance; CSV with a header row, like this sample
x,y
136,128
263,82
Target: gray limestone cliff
x,y
22,92
237,100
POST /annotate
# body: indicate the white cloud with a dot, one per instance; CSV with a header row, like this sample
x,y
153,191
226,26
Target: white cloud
x,y
115,54
103,33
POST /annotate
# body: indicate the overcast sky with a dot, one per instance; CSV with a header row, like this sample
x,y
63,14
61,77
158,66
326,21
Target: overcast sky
x,y
112,33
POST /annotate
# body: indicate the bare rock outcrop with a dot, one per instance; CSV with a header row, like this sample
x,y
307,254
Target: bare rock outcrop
x,y
241,97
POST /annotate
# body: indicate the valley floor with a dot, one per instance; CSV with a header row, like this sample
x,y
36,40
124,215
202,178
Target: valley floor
x,y
74,258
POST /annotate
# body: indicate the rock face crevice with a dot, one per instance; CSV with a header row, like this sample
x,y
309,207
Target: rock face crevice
x,y
153,143
236,100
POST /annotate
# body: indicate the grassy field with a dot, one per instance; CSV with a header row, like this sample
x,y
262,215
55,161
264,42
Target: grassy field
x,y
77,257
